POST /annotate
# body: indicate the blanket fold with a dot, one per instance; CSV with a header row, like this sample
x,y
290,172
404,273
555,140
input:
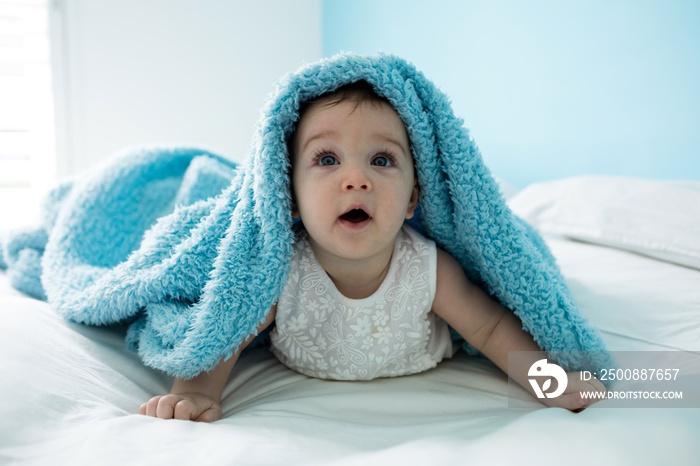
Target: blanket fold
x,y
193,250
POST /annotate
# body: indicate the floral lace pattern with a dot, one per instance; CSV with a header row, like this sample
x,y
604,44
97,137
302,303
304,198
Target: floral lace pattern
x,y
321,333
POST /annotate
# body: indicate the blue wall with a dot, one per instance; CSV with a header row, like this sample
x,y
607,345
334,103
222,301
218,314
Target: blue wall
x,y
550,88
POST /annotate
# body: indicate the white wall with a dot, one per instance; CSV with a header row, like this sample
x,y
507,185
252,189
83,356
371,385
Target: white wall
x,y
174,71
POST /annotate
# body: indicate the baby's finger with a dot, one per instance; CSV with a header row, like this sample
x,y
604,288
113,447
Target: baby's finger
x,y
166,406
210,415
151,406
185,410
597,385
572,401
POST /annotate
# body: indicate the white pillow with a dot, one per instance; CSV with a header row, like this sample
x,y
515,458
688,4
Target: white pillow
x,y
656,218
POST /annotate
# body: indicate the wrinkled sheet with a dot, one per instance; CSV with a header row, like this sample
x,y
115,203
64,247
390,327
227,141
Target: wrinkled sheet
x,y
69,393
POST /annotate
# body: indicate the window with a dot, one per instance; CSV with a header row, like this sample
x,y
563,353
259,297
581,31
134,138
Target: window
x,y
27,140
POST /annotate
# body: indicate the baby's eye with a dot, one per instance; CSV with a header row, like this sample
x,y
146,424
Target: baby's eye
x,y
326,160
383,161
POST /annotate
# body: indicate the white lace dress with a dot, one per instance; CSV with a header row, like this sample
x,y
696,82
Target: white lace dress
x,y
321,333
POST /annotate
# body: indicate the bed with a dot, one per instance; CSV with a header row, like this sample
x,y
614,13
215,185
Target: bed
x,y
629,250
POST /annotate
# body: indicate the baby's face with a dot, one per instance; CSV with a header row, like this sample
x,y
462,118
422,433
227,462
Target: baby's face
x,y
353,178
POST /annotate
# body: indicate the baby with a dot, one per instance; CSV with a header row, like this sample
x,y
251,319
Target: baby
x,y
367,296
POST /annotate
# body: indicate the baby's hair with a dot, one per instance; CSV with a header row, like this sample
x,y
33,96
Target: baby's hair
x,y
358,92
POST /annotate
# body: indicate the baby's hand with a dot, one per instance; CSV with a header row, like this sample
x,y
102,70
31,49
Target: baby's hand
x,y
571,399
186,406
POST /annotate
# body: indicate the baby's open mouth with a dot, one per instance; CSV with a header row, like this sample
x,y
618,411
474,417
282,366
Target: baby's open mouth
x,y
355,216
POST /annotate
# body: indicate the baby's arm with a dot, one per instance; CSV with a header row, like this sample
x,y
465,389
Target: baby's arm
x,y
492,329
199,399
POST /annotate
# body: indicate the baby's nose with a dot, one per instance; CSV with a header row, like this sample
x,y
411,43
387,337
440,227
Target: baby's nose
x,y
361,186
356,179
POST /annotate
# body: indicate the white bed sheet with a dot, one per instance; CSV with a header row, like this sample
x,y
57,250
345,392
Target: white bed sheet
x,y
69,393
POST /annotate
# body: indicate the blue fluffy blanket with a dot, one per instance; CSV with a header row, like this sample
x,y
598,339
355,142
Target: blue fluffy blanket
x,y
192,251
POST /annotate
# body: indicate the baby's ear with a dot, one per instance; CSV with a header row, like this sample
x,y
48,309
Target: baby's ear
x,y
413,201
